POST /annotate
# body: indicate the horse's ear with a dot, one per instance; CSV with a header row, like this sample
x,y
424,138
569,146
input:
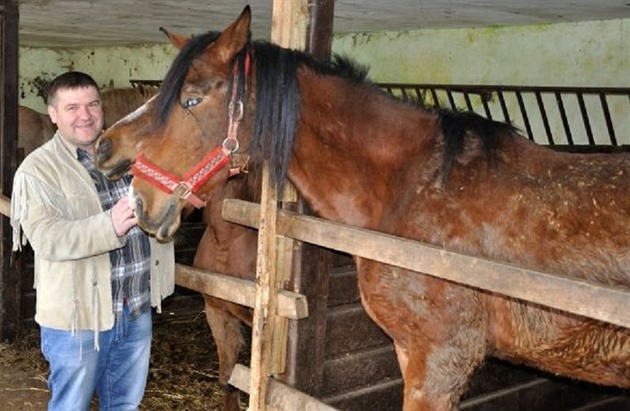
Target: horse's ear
x,y
234,37
177,40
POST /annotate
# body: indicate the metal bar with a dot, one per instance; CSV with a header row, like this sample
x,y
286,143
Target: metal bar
x,y
609,123
545,120
468,102
506,113
436,101
587,123
451,100
565,121
528,126
622,91
420,96
486,108
404,95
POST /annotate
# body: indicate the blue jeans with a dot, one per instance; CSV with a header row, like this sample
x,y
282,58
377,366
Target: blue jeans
x,y
117,372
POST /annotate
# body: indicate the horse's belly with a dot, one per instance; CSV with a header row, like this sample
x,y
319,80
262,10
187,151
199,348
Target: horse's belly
x,y
413,307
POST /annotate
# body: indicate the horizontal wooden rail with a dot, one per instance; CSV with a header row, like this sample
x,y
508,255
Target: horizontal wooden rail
x,y
290,305
280,396
5,205
580,297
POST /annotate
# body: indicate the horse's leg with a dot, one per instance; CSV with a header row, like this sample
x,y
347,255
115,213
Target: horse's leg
x,y
439,352
228,337
434,381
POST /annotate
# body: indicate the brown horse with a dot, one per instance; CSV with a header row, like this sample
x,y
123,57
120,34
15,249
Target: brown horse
x,y
118,102
34,129
229,249
358,156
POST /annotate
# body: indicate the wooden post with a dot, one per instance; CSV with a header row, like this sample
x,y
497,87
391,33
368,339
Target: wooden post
x,y
320,28
288,29
10,279
306,338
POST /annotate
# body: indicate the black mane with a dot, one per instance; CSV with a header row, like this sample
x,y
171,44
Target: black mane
x,y
456,124
278,99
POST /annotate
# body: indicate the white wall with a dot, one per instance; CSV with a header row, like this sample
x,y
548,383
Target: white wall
x,y
593,54
588,54
110,66
569,54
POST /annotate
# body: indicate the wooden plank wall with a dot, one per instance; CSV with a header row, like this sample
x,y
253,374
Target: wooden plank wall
x,y
10,275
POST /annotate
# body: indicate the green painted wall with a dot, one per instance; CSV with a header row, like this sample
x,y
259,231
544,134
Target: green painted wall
x,y
110,66
570,54
592,54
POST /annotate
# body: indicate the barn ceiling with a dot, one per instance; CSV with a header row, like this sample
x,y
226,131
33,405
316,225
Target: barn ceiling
x,y
90,23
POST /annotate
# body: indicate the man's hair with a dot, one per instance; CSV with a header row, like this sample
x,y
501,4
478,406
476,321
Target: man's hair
x,y
70,80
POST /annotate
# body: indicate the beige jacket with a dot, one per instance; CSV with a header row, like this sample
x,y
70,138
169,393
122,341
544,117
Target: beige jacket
x,y
55,203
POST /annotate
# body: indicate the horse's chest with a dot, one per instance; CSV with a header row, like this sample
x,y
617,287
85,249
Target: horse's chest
x,y
405,303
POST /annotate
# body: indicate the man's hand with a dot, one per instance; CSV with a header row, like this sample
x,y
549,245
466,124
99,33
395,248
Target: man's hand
x,y
123,217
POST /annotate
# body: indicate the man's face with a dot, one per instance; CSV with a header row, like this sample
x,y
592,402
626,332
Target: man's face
x,y
78,114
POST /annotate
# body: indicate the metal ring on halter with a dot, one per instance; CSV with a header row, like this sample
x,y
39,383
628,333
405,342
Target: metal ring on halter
x,y
226,145
235,109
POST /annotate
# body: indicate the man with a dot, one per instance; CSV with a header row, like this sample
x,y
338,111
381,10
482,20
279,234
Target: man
x,y
96,273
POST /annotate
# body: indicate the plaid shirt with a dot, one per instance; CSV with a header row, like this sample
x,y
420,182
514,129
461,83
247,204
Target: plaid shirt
x,y
131,263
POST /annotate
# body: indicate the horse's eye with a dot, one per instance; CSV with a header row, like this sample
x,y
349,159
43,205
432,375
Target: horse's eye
x,y
191,102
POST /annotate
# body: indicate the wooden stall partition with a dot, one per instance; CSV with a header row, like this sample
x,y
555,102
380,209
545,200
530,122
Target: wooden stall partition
x,y
357,369
10,276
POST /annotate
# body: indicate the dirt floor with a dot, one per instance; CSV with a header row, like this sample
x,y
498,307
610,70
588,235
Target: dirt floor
x,y
183,373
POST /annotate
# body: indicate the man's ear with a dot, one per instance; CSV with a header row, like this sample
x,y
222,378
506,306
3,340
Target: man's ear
x,y
52,113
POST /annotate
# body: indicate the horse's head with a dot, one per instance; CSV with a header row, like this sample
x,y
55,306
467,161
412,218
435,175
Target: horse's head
x,y
183,143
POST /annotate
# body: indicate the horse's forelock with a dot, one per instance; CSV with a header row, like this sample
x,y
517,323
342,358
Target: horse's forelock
x,y
174,79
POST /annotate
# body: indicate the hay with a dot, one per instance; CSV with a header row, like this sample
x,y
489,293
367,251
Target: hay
x,y
183,372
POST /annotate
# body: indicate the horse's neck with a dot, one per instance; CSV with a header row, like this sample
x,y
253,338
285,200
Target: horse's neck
x,y
354,145
238,187
227,247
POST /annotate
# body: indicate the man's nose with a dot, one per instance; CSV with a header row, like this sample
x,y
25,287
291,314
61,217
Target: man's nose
x,y
84,112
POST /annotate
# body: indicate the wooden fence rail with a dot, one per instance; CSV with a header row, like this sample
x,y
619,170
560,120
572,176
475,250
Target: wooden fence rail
x,y
608,304
290,305
605,303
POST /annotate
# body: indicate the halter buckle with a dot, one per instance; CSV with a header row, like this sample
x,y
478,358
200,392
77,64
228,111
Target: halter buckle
x,y
183,191
235,110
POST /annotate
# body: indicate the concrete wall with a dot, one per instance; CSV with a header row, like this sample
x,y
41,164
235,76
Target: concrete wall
x,y
110,66
593,54
570,54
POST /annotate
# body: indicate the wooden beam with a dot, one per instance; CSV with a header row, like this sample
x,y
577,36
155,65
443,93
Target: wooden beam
x,y
281,397
10,277
288,29
266,298
320,28
290,305
609,304
5,205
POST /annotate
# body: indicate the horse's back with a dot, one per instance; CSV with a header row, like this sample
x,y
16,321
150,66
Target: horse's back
x,y
560,213
118,102
535,207
34,129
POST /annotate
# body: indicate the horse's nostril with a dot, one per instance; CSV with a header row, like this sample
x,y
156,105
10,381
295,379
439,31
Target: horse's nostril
x,y
103,150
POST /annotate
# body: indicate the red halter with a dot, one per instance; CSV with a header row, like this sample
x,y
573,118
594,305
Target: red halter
x,y
201,172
